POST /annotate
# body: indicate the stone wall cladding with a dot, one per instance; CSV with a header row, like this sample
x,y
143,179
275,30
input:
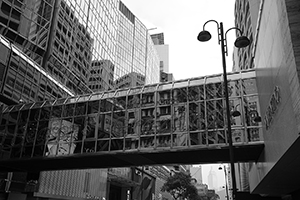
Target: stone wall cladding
x,y
293,16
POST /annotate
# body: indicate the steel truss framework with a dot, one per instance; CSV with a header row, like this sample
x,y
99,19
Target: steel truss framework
x,y
161,117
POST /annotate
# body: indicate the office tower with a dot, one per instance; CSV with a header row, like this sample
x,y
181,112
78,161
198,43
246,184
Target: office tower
x,y
135,49
27,24
163,52
246,15
166,77
243,57
23,80
158,39
212,179
102,75
275,51
60,48
65,39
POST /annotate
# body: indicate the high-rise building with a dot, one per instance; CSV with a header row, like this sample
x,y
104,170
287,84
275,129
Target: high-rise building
x,y
60,48
243,57
166,77
273,28
212,179
158,38
163,52
65,39
23,80
102,76
135,48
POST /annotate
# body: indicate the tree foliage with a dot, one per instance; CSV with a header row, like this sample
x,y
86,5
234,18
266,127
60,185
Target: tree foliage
x,y
179,185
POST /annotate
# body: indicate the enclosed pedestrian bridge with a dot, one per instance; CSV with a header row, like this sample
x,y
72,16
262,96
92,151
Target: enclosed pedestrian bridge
x,y
182,122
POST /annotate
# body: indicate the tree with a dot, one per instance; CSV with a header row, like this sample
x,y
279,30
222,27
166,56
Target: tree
x,y
179,185
212,196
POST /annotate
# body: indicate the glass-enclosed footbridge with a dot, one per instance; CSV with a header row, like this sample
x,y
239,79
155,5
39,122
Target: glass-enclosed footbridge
x,y
180,122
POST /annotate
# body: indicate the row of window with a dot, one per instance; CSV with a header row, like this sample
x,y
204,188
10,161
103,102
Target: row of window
x,y
24,82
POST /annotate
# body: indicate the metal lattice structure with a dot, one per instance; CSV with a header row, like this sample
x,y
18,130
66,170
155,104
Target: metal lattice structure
x,y
180,115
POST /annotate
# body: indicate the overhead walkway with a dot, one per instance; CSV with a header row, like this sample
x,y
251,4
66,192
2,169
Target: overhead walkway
x,y
181,122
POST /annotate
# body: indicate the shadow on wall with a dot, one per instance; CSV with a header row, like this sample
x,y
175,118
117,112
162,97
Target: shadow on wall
x,y
248,196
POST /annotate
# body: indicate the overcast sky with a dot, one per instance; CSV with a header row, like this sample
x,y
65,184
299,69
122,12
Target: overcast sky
x,y
181,21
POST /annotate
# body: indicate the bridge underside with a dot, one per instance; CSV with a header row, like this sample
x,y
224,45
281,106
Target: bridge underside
x,y
219,154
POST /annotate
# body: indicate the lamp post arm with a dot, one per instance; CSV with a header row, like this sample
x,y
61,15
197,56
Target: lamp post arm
x,y
226,49
218,28
231,153
241,33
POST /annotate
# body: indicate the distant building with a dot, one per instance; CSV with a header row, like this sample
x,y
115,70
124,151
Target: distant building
x,y
62,48
135,51
212,179
158,39
166,77
101,76
222,194
243,57
163,52
196,172
132,79
64,42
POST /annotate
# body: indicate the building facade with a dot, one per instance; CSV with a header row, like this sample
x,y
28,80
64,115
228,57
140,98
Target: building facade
x,y
123,121
275,50
135,48
196,172
60,48
69,39
243,57
163,52
212,179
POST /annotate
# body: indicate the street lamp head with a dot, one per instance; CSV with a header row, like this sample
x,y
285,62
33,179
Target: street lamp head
x,y
236,113
242,42
257,119
204,36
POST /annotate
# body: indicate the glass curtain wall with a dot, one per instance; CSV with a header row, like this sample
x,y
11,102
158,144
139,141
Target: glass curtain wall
x,y
181,114
22,80
27,25
87,45
137,60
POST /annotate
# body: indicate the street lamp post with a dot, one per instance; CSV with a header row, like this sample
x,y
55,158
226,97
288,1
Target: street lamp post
x,y
240,42
226,186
